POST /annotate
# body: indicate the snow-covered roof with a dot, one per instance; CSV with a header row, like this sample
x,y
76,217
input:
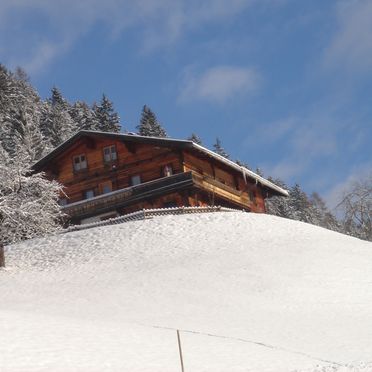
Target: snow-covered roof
x,y
162,142
244,170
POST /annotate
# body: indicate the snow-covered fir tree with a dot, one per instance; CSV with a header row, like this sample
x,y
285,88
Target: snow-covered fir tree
x,y
278,205
56,123
217,148
107,118
195,138
84,117
149,125
28,202
299,205
243,164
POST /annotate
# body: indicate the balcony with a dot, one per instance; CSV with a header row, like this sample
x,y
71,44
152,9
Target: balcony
x,y
129,195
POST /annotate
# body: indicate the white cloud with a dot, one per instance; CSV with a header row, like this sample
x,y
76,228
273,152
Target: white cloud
x,y
351,46
160,22
219,84
44,54
285,170
302,143
272,132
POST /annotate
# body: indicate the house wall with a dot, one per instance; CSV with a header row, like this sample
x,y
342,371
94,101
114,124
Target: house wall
x,y
214,182
144,160
222,184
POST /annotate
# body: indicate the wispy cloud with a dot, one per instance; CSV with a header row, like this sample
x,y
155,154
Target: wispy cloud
x,y
302,141
351,46
60,24
335,194
219,84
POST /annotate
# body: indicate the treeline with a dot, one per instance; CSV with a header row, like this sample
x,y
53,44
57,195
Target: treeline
x,y
30,127
39,125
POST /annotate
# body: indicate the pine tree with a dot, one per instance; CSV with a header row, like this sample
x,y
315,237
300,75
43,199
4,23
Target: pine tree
x,y
299,204
57,99
195,138
278,205
149,125
84,117
56,123
259,171
218,149
108,119
21,74
243,164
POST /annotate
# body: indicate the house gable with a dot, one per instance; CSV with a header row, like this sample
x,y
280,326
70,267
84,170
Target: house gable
x,y
144,161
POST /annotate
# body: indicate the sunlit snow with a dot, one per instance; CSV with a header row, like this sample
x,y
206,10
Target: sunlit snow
x,y
249,292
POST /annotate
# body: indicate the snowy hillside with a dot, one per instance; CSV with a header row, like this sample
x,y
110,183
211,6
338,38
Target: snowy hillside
x,y
251,293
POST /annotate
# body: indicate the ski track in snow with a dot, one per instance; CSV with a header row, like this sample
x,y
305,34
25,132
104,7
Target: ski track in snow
x,y
251,293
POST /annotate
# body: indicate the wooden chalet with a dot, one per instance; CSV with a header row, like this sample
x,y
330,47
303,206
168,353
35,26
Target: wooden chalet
x,y
109,174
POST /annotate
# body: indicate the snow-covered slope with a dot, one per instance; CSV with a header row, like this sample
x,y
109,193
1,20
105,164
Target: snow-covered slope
x,y
250,292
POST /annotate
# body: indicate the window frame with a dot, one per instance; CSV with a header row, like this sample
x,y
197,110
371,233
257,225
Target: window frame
x,y
74,163
111,160
166,169
252,196
86,192
105,185
132,177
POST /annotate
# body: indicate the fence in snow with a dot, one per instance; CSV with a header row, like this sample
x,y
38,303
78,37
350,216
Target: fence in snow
x,y
148,213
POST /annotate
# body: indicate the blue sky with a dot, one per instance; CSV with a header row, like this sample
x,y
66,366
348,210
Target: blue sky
x,y
285,84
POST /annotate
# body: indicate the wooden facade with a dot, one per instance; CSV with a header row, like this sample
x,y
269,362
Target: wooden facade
x,y
108,174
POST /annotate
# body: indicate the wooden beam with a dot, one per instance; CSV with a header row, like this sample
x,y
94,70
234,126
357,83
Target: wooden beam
x,y
131,146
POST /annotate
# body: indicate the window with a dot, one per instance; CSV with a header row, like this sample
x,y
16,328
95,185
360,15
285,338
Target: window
x,y
80,162
135,180
167,170
88,194
109,153
105,187
252,196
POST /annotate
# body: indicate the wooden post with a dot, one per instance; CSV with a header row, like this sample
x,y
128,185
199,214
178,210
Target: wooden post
x,y
2,256
180,350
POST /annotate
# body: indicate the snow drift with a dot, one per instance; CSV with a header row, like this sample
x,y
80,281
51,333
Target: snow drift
x,y
249,292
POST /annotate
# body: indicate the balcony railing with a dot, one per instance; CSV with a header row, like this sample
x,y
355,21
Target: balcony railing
x,y
129,195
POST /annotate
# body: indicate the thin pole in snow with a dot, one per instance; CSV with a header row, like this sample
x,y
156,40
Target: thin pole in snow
x,y
180,350
2,256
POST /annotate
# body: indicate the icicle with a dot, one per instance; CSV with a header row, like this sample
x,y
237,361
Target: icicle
x,y
244,175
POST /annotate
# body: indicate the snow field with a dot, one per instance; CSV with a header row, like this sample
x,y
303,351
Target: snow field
x,y
280,295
